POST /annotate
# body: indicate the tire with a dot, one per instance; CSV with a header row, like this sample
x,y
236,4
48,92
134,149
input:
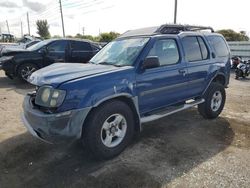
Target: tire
x,y
25,70
239,73
215,98
96,130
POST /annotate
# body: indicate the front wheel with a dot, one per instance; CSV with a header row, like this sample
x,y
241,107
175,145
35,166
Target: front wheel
x,y
215,97
109,129
25,70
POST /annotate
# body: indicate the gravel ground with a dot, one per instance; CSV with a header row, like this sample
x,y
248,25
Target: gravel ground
x,y
182,150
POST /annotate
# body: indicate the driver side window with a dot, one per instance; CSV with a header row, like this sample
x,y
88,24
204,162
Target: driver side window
x,y
166,50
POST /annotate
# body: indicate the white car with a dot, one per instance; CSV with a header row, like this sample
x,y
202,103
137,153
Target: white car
x,y
24,43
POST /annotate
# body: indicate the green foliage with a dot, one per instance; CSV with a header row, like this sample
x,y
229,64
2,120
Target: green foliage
x,y
89,37
231,35
43,29
107,37
56,36
103,37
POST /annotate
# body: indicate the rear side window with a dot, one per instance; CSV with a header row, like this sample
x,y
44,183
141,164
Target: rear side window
x,y
195,49
203,48
219,45
80,46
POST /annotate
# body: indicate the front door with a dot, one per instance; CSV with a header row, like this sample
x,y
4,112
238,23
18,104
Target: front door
x,y
165,85
56,52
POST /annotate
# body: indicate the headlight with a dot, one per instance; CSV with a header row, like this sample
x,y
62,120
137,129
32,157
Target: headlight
x,y
5,58
47,96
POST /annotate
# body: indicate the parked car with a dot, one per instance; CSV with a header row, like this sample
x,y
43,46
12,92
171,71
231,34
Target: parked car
x,y
23,62
21,42
141,76
10,48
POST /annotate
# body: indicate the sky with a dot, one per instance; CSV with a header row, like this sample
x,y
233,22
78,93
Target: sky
x,y
95,16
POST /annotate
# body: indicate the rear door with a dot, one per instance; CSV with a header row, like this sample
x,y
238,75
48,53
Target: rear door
x,y
222,52
80,52
198,60
56,52
165,85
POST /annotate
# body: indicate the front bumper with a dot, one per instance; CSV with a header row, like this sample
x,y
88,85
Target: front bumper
x,y
53,128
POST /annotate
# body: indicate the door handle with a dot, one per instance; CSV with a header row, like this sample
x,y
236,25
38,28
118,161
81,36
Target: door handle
x,y
59,60
182,71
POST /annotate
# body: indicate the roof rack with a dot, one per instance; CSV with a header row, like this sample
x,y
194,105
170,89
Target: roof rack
x,y
175,29
164,29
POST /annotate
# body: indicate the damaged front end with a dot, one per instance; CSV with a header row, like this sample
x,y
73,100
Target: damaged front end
x,y
44,123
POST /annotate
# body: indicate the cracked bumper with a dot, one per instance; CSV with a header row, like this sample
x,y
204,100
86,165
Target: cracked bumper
x,y
53,128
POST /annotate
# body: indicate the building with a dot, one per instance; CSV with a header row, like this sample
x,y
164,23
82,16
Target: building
x,y
240,48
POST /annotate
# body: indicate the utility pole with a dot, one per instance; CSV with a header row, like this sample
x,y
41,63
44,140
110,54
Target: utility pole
x,y
60,3
21,29
28,20
83,30
175,12
8,26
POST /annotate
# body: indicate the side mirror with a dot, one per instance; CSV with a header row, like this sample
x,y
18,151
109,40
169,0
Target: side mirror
x,y
42,51
151,62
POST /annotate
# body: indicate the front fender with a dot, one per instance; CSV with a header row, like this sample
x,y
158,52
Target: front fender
x,y
89,92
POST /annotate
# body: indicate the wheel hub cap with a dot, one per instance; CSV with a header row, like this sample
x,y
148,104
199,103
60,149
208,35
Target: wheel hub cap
x,y
113,130
27,71
216,101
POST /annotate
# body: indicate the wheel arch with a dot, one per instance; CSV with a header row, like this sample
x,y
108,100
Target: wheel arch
x,y
23,63
217,78
220,78
126,98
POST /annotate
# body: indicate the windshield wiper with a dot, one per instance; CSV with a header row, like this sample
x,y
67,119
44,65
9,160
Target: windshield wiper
x,y
108,63
105,63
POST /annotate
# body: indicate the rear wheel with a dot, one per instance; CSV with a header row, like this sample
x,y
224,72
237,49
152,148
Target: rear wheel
x,y
238,73
215,97
25,70
109,129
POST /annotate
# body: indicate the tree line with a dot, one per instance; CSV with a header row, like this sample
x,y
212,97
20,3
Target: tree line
x,y
43,31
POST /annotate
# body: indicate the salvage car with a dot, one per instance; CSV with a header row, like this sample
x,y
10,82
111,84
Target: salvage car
x,y
10,48
22,63
143,75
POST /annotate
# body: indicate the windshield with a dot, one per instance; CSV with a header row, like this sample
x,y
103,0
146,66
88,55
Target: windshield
x,y
120,52
38,45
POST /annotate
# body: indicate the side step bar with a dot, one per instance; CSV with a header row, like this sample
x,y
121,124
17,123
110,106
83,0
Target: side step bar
x,y
168,112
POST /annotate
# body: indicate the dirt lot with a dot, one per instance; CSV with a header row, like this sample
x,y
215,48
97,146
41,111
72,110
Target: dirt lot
x,y
182,150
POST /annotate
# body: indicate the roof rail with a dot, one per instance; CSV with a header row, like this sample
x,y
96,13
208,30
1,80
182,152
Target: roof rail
x,y
175,28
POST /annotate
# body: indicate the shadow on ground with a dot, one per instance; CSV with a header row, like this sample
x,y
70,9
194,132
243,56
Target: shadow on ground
x,y
15,85
164,151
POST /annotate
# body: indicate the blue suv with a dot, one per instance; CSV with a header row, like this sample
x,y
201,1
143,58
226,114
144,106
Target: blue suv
x,y
143,75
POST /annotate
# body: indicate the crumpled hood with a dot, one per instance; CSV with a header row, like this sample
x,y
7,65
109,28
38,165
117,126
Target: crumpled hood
x,y
13,51
58,73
